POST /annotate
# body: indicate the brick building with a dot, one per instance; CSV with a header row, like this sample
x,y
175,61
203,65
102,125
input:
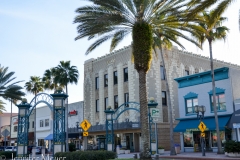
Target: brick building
x,y
111,80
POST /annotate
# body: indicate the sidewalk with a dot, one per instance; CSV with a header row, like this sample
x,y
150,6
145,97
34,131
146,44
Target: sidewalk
x,y
185,155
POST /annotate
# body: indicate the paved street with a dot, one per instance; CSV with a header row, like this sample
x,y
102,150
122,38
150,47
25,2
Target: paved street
x,y
184,155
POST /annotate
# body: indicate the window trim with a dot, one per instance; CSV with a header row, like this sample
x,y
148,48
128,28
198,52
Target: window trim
x,y
105,80
97,105
114,83
165,98
218,91
190,98
124,77
96,84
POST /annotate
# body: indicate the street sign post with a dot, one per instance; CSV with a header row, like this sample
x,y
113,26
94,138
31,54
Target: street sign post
x,y
85,125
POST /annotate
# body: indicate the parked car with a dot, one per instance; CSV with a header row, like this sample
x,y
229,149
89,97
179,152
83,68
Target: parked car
x,y
30,149
11,148
2,148
39,150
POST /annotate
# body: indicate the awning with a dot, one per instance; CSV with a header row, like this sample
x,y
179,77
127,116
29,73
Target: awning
x,y
235,119
189,124
49,137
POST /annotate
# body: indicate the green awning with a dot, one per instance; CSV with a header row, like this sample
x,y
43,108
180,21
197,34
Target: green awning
x,y
189,124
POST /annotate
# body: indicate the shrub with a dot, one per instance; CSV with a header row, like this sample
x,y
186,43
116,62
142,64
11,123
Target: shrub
x,y
160,147
71,147
232,146
8,154
87,155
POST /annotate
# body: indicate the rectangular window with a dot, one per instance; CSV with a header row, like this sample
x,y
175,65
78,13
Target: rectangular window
x,y
162,73
15,128
97,82
115,77
41,123
188,139
125,74
190,103
126,98
46,122
32,124
220,102
164,98
105,80
115,102
106,102
97,105
186,72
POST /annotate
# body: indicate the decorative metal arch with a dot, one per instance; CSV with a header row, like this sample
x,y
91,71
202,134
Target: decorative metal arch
x,y
109,122
124,107
41,98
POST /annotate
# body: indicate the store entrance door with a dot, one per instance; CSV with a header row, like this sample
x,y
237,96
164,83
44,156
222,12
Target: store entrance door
x,y
197,141
129,142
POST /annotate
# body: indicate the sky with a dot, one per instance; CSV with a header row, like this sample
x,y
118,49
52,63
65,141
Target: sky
x,y
37,35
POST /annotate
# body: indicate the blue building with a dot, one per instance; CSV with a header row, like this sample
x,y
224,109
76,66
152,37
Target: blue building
x,y
196,89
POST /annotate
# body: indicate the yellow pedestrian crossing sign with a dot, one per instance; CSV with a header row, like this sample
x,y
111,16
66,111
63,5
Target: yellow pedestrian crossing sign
x,y
85,134
202,127
85,124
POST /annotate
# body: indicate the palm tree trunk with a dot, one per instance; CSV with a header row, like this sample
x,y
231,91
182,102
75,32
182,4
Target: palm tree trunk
x,y
66,118
172,149
35,124
220,151
145,141
11,125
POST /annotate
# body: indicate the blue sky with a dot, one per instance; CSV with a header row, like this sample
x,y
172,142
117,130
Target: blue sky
x,y
37,35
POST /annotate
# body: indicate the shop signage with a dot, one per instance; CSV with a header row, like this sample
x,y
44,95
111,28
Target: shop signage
x,y
236,125
73,113
194,129
135,125
155,112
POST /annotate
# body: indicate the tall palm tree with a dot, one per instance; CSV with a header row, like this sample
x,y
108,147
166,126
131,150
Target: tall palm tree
x,y
66,74
34,86
8,88
213,30
48,80
116,19
2,108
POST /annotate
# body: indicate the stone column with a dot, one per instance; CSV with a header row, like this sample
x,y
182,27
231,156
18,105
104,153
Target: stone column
x,y
101,98
120,87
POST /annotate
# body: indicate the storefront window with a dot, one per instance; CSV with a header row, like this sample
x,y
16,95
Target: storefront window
x,y
214,138
188,139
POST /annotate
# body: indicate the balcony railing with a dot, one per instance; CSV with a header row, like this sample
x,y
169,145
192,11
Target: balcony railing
x,y
116,126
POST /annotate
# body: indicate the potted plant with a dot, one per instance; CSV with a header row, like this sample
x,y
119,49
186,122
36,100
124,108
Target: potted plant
x,y
160,150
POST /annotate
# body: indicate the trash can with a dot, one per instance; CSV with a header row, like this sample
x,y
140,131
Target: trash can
x,y
177,148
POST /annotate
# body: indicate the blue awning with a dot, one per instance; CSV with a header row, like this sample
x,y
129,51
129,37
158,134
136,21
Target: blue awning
x,y
49,137
192,124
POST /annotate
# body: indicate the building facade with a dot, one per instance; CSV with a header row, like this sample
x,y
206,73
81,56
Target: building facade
x,y
111,80
195,90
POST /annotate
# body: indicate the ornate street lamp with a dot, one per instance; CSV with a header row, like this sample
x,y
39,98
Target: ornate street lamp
x,y
153,135
200,110
80,131
109,128
23,119
59,137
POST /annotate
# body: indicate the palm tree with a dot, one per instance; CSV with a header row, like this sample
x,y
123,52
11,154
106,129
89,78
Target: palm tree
x,y
116,19
48,80
8,88
34,86
2,108
66,74
213,30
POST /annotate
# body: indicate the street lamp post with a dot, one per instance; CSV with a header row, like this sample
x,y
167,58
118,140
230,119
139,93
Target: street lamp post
x,y
109,129
200,110
22,136
153,134
80,131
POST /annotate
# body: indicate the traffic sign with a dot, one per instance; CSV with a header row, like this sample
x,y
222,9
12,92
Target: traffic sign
x,y
155,112
85,134
202,134
85,124
202,126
